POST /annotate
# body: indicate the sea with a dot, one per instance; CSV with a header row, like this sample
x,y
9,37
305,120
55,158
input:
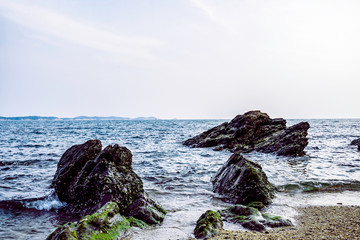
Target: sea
x,y
176,176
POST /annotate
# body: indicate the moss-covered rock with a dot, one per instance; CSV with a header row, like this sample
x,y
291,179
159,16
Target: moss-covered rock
x,y
255,130
147,210
257,205
208,225
106,223
252,219
101,188
65,232
243,182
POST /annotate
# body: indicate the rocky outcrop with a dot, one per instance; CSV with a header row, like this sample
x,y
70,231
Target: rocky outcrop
x,y
252,219
106,223
255,131
356,142
243,182
86,178
208,225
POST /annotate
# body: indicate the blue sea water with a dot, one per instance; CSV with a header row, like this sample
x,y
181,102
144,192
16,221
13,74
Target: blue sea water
x,y
176,176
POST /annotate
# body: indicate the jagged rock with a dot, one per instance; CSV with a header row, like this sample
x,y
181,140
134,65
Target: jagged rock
x,y
356,142
70,165
252,219
87,178
93,182
103,186
208,225
243,181
255,131
106,223
147,210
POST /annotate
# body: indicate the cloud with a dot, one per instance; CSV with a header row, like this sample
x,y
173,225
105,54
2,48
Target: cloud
x,y
54,26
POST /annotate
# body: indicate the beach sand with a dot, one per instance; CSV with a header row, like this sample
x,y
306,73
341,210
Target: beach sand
x,y
314,222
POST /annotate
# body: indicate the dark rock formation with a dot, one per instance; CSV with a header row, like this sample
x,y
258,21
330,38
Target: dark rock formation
x,y
86,184
103,186
252,219
356,142
70,165
208,225
255,131
106,223
243,181
87,178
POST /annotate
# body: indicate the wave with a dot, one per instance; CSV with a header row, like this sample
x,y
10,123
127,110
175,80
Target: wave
x,y
46,203
314,186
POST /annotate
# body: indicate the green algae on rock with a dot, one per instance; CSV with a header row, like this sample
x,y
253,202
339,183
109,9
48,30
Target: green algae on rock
x,y
243,181
147,210
101,188
86,183
106,223
208,225
252,219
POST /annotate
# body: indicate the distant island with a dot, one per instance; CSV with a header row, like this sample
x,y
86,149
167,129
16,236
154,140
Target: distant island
x,y
32,118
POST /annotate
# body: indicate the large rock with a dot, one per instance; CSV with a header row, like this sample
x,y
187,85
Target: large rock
x,y
243,182
87,178
255,131
208,225
70,165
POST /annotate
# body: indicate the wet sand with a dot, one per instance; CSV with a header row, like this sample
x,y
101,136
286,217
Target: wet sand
x,y
314,222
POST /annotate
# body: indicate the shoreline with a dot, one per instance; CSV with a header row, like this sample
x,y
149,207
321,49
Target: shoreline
x,y
313,222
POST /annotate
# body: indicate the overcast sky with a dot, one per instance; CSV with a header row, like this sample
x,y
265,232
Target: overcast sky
x,y
180,58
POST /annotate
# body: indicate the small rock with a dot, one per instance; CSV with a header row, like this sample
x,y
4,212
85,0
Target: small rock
x,y
208,225
243,182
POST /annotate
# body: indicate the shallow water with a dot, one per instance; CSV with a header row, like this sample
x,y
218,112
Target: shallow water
x,y
176,176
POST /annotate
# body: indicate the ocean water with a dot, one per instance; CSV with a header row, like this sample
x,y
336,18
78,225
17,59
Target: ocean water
x,y
176,176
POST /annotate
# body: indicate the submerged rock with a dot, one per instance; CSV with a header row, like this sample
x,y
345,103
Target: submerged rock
x,y
208,225
255,131
356,142
243,182
252,219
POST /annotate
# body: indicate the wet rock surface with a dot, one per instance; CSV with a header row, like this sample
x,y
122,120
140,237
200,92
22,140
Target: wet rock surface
x,y
87,183
255,130
147,210
208,225
106,223
101,188
252,219
243,181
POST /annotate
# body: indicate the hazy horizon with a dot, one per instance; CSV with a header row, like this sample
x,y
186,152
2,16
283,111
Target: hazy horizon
x,y
184,59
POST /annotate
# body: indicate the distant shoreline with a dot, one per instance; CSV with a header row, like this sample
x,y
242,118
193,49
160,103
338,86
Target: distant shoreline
x,y
39,118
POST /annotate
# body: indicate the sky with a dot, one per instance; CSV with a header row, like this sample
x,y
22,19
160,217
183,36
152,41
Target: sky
x,y
185,59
